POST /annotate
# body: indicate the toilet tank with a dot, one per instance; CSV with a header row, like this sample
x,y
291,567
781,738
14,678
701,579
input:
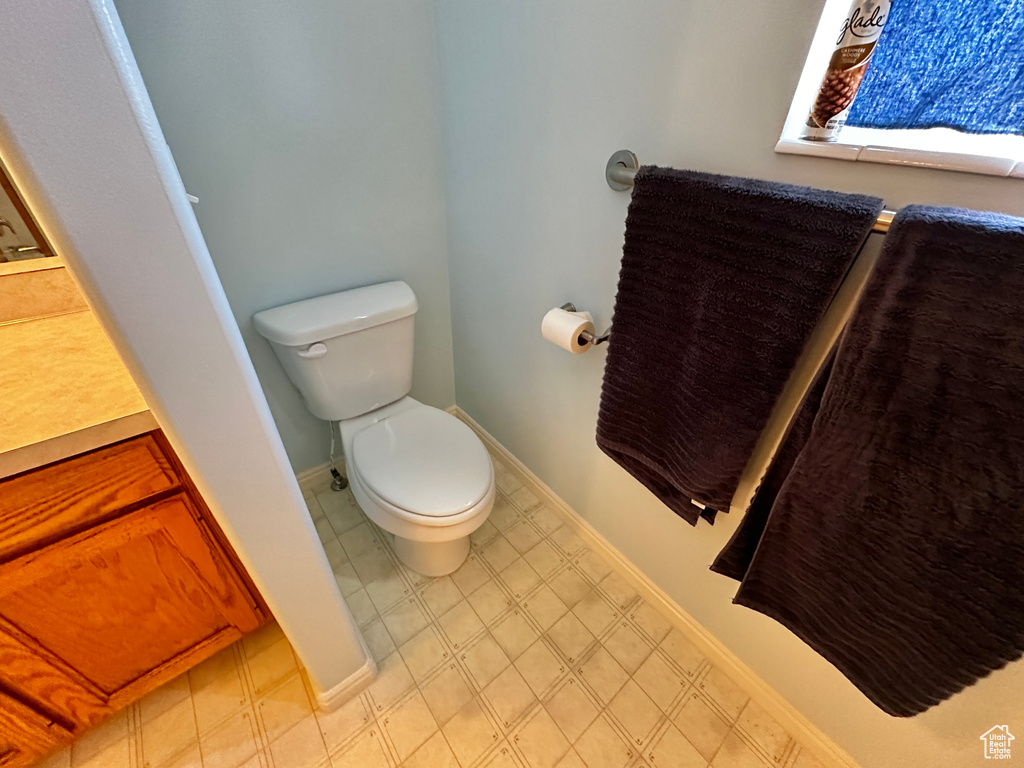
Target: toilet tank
x,y
348,353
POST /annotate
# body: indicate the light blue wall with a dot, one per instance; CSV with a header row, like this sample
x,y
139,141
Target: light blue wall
x,y
536,96
310,132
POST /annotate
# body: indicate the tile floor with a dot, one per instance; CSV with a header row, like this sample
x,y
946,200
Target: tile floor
x,y
534,654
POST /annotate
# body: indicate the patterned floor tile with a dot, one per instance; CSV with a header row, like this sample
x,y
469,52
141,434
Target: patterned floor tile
x,y
764,731
470,733
544,607
570,586
627,647
366,751
540,667
405,620
514,634
603,675
535,653
339,727
545,558
470,576
460,624
540,741
499,554
735,754
571,637
601,747
595,613
649,621
484,660
520,578
524,499
299,747
618,591
489,601
545,519
434,753
593,566
635,713
568,541
409,725
482,535
682,652
660,681
523,536
504,515
446,693
701,725
671,750
440,595
723,693
377,639
393,680
424,652
571,708
510,697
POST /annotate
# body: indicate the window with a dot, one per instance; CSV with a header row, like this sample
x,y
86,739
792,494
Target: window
x,y
911,84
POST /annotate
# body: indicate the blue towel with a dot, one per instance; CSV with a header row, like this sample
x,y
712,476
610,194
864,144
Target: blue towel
x,y
947,63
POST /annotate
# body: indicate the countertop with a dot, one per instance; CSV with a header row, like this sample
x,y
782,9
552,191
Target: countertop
x,y
63,391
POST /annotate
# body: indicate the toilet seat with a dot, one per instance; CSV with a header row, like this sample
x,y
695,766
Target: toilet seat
x,y
402,522
423,462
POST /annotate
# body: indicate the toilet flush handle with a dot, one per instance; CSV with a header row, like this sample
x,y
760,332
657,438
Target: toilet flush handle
x,y
313,351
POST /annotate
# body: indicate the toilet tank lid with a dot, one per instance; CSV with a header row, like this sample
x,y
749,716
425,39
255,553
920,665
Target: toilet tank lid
x,y
324,317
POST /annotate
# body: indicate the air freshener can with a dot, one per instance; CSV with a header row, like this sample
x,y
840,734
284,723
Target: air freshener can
x,y
846,68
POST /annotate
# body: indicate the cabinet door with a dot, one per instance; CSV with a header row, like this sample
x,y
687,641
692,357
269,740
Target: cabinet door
x,y
24,733
129,603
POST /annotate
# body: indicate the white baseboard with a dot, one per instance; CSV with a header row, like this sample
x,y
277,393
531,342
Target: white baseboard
x,y
348,688
805,732
318,475
354,684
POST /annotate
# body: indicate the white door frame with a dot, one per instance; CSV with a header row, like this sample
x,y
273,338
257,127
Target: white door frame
x,y
79,135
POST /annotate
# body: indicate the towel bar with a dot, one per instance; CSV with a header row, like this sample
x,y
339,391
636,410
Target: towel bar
x,y
623,165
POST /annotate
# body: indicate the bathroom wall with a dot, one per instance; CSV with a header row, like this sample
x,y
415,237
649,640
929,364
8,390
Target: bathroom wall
x,y
310,132
536,96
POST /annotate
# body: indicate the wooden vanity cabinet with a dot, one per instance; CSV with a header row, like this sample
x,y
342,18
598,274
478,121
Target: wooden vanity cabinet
x,y
113,579
24,733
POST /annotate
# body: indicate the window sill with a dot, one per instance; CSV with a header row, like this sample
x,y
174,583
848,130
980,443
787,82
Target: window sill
x,y
939,148
989,155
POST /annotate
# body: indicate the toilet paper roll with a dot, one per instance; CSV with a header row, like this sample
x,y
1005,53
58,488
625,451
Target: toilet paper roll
x,y
564,328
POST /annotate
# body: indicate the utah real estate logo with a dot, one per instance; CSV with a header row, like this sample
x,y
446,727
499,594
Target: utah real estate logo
x,y
997,742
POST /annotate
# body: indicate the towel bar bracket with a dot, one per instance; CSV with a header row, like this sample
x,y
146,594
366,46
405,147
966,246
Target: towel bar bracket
x,y
587,336
621,168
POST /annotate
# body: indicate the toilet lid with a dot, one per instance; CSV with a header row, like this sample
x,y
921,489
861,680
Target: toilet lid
x,y
425,461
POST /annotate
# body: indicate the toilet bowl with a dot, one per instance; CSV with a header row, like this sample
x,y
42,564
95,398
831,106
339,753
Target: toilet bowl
x,y
422,475
416,471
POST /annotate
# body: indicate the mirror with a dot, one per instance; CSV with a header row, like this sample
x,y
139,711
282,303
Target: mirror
x,y
20,237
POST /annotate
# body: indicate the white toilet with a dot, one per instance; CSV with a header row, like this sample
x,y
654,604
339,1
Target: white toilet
x,y
416,471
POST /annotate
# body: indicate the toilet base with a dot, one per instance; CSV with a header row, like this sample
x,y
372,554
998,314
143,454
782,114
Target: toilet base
x,y
432,558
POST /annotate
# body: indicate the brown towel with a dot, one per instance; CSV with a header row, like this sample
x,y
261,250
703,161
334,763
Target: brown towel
x,y
895,547
735,557
722,281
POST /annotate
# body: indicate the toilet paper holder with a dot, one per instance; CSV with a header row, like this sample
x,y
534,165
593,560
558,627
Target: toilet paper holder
x,y
587,336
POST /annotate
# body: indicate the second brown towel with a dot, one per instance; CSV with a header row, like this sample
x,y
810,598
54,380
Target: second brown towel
x,y
895,543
